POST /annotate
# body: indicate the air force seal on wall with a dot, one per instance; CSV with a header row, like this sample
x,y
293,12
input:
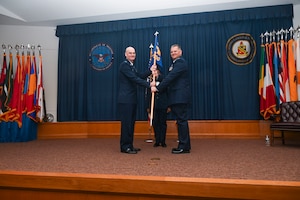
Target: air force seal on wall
x,y
101,56
241,49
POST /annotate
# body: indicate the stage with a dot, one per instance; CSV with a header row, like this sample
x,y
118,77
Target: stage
x,y
94,168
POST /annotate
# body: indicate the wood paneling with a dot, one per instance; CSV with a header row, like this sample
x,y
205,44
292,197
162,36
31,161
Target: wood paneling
x,y
205,128
30,185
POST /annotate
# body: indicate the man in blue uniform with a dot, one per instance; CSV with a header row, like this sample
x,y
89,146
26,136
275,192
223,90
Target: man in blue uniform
x,y
129,78
179,94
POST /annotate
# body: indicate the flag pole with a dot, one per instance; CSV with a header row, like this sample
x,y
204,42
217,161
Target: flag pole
x,y
150,140
153,80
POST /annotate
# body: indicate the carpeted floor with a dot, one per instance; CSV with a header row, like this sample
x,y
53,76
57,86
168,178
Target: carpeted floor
x,y
209,158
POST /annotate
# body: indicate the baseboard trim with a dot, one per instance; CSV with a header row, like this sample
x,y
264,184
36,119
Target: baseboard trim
x,y
198,129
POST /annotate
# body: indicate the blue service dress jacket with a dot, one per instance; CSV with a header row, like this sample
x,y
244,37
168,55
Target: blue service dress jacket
x,y
129,78
177,82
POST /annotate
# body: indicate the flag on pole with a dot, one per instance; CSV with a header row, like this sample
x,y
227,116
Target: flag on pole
x,y
276,74
9,81
280,75
261,67
268,101
31,92
157,61
262,105
292,71
16,103
40,114
2,85
284,77
155,53
151,55
7,89
26,75
297,58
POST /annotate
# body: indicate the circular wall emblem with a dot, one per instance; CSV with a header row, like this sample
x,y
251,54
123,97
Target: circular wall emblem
x,y
101,56
241,49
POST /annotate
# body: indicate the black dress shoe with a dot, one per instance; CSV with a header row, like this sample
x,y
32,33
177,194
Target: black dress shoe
x,y
163,145
178,151
156,145
136,149
129,151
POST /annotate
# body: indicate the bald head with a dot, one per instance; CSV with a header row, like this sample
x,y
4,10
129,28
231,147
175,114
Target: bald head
x,y
130,53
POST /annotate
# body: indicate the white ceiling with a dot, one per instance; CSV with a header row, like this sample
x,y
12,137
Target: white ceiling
x,y
62,12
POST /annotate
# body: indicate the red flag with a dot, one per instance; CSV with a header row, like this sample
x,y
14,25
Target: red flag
x,y
284,76
16,103
268,103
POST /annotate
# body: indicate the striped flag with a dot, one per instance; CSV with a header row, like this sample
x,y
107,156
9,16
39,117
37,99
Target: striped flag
x,y
283,77
268,102
40,114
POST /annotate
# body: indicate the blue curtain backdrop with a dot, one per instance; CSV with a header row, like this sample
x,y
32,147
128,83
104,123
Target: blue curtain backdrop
x,y
221,90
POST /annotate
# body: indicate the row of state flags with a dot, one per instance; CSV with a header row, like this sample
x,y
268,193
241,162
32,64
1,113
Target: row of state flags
x,y
279,75
21,90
